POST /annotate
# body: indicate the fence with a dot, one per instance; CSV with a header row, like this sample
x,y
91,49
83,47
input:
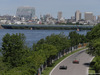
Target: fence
x,y
59,55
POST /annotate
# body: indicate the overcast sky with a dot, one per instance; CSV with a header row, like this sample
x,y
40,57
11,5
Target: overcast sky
x,y
68,7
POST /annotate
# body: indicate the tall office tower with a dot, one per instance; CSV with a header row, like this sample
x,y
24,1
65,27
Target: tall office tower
x,y
89,16
59,15
77,15
98,19
26,12
94,18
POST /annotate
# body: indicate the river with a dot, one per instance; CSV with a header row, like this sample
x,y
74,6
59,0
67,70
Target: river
x,y
32,36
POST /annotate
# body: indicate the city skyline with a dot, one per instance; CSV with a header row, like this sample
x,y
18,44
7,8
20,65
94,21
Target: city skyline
x,y
52,7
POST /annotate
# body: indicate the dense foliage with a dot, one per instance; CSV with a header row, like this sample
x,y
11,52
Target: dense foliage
x,y
13,49
76,38
14,52
94,45
18,59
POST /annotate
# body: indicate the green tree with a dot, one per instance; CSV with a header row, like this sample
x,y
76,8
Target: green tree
x,y
94,46
46,50
60,41
97,64
34,61
51,45
83,39
19,71
74,38
94,33
13,49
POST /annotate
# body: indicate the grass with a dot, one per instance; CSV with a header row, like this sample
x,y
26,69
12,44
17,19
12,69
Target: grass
x,y
91,69
48,69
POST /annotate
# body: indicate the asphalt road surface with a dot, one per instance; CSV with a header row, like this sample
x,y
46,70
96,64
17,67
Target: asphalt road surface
x,y
74,69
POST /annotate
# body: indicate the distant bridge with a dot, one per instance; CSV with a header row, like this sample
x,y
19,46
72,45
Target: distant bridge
x,y
48,26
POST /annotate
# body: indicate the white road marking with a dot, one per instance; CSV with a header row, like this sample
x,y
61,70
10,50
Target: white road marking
x,y
88,67
63,60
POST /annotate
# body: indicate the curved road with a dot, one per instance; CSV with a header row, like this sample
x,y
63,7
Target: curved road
x,y
74,69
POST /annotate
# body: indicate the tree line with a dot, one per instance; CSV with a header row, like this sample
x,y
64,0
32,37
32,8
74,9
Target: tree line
x,y
18,59
94,46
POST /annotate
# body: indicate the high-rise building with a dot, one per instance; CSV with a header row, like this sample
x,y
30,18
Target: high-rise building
x,y
98,19
89,16
77,15
59,16
26,12
94,18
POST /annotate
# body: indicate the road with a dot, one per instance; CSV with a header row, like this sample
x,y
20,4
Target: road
x,y
74,69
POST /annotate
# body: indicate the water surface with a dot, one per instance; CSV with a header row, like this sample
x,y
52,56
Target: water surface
x,y
32,36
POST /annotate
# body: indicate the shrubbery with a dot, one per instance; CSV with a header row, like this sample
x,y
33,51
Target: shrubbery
x,y
94,45
18,59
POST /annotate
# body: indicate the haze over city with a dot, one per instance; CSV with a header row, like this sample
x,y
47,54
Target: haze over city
x,y
68,7
49,37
